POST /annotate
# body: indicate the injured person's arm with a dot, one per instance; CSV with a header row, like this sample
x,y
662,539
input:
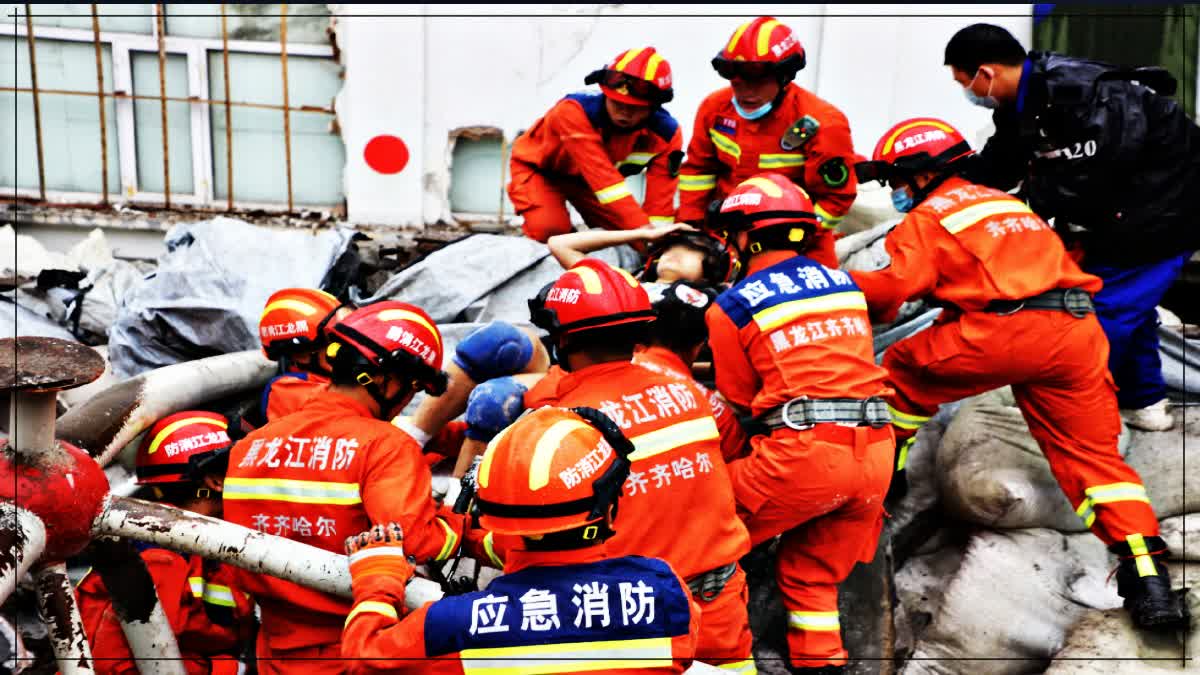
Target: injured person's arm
x,y
569,249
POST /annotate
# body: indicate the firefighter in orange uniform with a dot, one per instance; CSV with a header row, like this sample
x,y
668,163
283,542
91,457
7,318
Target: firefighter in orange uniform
x,y
597,316
764,122
566,603
181,461
336,467
582,150
292,329
1018,311
792,344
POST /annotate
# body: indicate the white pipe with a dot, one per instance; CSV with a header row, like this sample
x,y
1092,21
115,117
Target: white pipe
x,y
153,644
24,538
56,600
31,421
242,547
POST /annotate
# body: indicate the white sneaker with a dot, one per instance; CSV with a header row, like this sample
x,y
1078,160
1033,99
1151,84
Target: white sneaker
x,y
1151,418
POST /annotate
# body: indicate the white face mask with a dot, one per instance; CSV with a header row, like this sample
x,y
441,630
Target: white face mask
x,y
990,102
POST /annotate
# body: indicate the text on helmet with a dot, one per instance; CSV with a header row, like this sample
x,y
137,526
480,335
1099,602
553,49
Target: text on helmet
x,y
744,199
567,296
198,441
588,465
919,138
782,46
412,342
284,329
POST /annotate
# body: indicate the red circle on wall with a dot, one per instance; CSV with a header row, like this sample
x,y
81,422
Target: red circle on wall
x,y
386,154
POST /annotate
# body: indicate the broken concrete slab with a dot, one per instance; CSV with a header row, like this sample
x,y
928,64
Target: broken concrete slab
x,y
1173,529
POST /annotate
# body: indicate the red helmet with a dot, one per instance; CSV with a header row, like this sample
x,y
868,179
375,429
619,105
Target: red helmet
x,y
294,320
389,337
636,76
760,48
763,205
178,442
918,144
720,261
553,470
592,294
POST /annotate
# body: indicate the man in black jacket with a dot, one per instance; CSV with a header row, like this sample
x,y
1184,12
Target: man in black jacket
x,y
1105,152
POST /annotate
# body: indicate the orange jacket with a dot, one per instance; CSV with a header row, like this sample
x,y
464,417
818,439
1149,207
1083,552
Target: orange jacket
x,y
576,139
210,616
617,615
792,328
678,482
968,245
317,476
286,393
726,150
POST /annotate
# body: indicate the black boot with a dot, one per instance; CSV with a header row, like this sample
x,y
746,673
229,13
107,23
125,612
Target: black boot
x,y
1147,591
823,670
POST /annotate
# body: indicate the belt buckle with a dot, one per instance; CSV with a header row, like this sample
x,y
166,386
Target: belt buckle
x,y
1020,306
866,415
787,422
1070,293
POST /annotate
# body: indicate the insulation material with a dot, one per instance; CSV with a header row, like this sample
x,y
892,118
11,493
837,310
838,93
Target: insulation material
x,y
1173,529
1160,458
872,206
22,258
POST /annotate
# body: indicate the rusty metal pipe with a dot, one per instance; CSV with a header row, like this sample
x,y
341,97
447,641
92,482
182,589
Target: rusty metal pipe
x,y
22,540
228,113
160,11
287,116
100,97
56,601
172,99
37,106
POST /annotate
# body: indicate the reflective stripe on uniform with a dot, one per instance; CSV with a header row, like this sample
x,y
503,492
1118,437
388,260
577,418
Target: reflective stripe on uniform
x,y
197,586
613,192
907,420
637,159
746,667
776,316
961,220
828,220
372,607
662,220
451,541
902,452
489,547
1141,556
215,594
780,161
569,657
674,436
295,491
1106,494
725,143
817,621
697,182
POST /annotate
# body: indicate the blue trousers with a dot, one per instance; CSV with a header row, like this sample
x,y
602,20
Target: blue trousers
x,y
1125,307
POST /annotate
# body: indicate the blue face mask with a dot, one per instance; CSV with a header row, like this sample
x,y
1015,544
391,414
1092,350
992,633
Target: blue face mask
x,y
902,200
752,114
988,102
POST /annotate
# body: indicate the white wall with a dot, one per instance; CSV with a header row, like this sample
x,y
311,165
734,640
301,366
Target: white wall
x,y
420,77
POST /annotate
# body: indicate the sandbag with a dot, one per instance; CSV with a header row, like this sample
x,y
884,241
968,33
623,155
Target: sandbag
x,y
1012,600
1159,458
1172,531
921,584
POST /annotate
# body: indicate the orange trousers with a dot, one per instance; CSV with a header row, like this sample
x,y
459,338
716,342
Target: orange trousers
x,y
542,201
1058,368
323,659
725,640
823,490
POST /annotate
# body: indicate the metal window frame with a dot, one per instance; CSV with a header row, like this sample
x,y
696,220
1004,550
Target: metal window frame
x,y
196,51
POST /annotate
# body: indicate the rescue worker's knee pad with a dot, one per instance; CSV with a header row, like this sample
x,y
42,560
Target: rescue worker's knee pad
x,y
493,406
495,350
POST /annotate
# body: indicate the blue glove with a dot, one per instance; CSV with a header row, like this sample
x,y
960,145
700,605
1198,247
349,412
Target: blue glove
x,y
493,406
495,350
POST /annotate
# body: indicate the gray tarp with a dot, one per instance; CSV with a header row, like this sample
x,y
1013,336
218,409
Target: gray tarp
x,y
210,288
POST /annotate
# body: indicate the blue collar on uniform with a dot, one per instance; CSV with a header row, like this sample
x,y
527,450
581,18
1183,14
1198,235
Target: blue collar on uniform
x,y
1023,85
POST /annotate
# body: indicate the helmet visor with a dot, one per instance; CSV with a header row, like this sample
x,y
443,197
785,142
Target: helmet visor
x,y
744,70
642,89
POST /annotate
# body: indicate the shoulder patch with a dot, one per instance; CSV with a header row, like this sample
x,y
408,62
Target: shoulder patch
x,y
834,172
663,125
592,104
800,133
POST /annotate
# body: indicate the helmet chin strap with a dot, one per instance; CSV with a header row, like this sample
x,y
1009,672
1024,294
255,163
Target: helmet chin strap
x,y
385,403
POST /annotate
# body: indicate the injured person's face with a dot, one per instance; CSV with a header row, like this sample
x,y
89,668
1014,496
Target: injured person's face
x,y
680,263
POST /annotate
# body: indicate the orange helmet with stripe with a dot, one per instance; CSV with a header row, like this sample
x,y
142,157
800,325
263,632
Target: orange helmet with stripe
x,y
178,443
636,76
774,210
553,470
912,146
294,320
760,48
389,338
592,294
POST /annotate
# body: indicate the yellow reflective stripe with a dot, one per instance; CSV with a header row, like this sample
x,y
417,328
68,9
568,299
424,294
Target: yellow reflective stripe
x,y
816,621
780,160
697,182
737,34
662,220
295,491
674,436
197,586
485,467
957,222
907,420
652,66
170,428
450,544
1085,512
765,184
215,594
725,143
372,607
406,315
902,454
294,305
887,146
778,315
568,657
629,56
764,36
612,193
637,158
547,446
746,666
1141,556
1117,492
489,547
828,220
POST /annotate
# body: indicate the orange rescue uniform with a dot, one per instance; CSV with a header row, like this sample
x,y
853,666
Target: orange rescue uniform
x,y
318,476
794,328
726,149
574,153
210,616
678,483
286,393
966,246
